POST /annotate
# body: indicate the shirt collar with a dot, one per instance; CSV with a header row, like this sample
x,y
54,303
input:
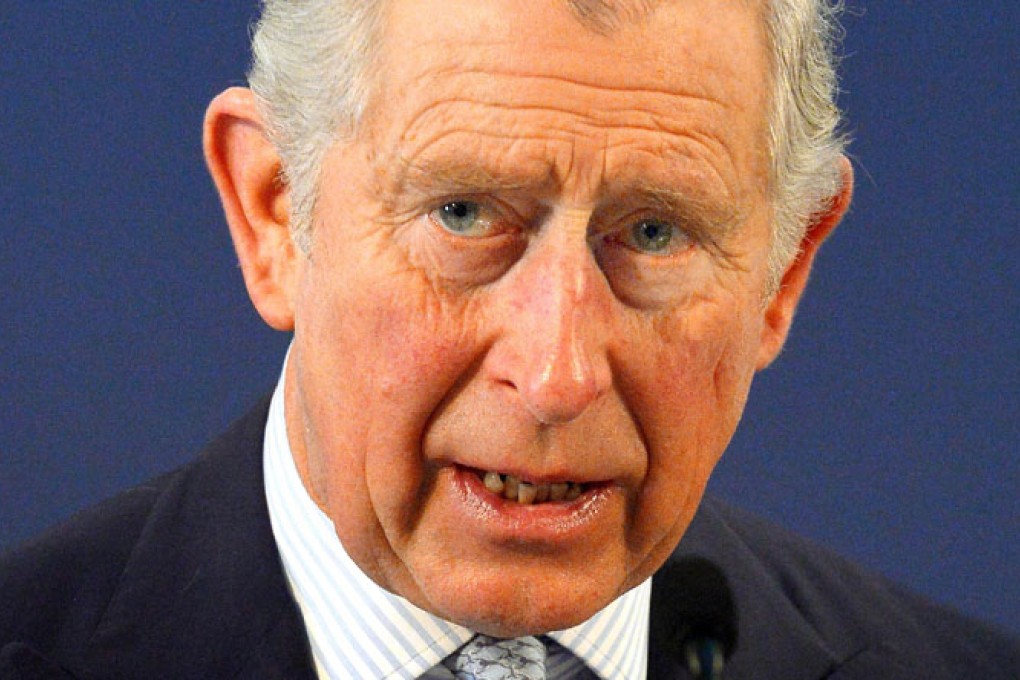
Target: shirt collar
x,y
393,638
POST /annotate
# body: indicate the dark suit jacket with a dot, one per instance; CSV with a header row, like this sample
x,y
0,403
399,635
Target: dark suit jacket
x,y
180,578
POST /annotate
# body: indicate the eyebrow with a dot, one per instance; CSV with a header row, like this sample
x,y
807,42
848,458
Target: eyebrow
x,y
708,219
429,176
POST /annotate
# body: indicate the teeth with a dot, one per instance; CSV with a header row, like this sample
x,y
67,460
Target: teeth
x,y
510,490
526,493
557,492
514,489
541,493
493,482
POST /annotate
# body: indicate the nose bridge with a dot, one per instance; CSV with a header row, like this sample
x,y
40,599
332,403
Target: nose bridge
x,y
560,324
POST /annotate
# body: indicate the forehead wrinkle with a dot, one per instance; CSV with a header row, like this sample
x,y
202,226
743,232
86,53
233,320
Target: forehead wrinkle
x,y
624,105
422,119
688,161
558,119
648,84
543,166
445,164
619,96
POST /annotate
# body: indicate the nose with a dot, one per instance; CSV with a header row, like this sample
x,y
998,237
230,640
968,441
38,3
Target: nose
x,y
556,328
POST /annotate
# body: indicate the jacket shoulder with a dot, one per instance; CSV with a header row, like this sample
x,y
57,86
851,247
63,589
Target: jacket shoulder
x,y
851,609
55,588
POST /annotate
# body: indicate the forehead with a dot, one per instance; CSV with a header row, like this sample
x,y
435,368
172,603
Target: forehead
x,y
653,82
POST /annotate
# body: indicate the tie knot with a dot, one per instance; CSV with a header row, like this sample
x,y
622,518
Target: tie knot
x,y
488,658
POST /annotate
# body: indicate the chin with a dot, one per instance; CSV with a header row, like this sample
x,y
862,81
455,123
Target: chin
x,y
514,602
511,619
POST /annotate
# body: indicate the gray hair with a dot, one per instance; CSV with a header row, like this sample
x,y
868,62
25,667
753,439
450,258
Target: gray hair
x,y
310,73
805,141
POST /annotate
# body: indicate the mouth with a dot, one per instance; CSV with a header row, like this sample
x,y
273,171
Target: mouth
x,y
534,510
527,492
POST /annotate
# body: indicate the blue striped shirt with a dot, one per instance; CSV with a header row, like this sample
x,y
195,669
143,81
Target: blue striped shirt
x,y
359,630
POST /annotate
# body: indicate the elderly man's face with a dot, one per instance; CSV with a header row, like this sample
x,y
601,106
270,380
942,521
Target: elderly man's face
x,y
543,256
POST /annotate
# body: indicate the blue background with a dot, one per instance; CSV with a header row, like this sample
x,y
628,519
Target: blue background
x,y
887,430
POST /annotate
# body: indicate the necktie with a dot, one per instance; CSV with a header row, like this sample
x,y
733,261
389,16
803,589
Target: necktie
x,y
487,658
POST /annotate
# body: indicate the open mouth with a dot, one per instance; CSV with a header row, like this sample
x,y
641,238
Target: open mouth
x,y
526,492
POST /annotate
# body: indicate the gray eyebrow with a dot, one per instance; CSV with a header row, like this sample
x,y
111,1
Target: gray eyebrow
x,y
708,219
711,220
461,177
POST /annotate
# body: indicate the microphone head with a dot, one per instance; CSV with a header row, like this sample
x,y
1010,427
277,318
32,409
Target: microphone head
x,y
698,615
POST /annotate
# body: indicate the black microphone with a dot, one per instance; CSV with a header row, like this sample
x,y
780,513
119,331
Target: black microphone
x,y
699,615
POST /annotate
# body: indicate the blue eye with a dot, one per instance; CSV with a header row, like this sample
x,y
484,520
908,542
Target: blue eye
x,y
460,217
652,236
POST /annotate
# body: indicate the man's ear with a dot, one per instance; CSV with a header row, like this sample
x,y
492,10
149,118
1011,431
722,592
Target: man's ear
x,y
246,170
779,313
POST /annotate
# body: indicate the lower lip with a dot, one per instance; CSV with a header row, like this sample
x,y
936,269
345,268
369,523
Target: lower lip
x,y
557,521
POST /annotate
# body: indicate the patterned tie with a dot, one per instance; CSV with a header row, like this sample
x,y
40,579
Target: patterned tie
x,y
487,658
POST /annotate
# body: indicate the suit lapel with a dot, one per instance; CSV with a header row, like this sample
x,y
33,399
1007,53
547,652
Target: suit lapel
x,y
203,593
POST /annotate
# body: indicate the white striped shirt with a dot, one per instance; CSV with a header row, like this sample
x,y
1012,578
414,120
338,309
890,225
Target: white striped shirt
x,y
359,630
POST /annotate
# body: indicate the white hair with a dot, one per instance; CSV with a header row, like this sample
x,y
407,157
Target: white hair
x,y
805,140
309,74
311,69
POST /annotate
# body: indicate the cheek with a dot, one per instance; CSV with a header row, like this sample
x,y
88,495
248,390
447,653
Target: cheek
x,y
687,398
370,308
697,371
382,351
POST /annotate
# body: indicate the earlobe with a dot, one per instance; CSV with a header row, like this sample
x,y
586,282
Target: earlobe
x,y
780,310
246,169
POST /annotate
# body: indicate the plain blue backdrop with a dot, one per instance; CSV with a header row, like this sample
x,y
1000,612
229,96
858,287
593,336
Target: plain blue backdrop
x,y
887,430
